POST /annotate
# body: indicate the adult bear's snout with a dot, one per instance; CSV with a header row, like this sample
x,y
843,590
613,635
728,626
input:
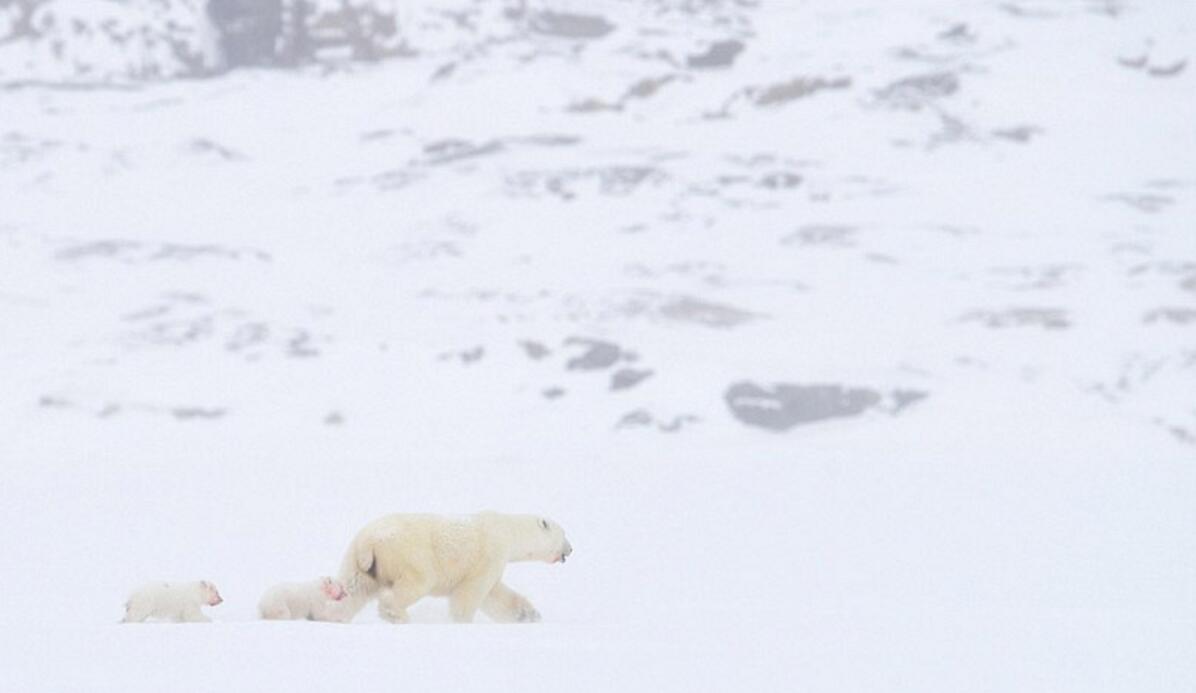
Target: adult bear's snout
x,y
566,550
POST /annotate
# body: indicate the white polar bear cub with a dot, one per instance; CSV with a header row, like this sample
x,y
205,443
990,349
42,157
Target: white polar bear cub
x,y
171,601
402,558
315,600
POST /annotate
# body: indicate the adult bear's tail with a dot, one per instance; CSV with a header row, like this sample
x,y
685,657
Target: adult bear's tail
x,y
365,561
358,575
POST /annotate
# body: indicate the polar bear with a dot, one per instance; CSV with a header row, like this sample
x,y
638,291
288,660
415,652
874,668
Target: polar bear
x,y
171,601
402,558
314,600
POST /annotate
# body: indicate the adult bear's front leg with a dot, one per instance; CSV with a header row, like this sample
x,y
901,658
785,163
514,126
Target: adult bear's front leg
x,y
470,593
505,605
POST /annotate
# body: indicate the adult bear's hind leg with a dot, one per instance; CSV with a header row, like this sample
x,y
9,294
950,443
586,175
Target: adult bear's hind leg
x,y
394,600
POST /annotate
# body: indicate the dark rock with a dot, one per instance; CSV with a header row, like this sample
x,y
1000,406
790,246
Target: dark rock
x,y
180,332
451,150
248,335
1179,316
642,418
822,234
249,30
300,345
688,309
134,252
1048,318
598,354
719,54
189,413
564,184
1148,203
904,398
1167,70
784,406
780,180
534,350
627,378
677,423
635,419
913,93
592,105
645,88
546,140
568,25
957,33
796,88
1020,134
95,249
472,355
202,145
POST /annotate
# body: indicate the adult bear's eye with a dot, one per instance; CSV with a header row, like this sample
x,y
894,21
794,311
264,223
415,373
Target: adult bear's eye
x,y
544,523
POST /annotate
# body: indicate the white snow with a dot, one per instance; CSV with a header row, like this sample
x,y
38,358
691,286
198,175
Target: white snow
x,y
241,316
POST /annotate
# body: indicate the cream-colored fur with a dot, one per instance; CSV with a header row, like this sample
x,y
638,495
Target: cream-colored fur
x,y
177,601
315,600
402,558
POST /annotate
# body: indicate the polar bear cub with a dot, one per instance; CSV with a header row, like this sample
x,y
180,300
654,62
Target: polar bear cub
x,y
402,558
171,601
315,600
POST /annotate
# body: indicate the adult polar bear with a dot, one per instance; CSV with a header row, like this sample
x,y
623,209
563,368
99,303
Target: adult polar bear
x,y
402,558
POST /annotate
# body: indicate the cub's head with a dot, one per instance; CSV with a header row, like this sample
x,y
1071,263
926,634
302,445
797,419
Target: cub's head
x,y
332,589
545,540
209,594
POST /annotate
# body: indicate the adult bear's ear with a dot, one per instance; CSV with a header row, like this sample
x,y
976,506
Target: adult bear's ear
x,y
543,523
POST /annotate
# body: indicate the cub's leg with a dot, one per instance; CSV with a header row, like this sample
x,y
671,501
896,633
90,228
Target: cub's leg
x,y
275,612
505,605
192,614
135,613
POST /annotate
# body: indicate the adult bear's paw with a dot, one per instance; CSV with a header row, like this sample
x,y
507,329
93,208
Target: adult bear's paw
x,y
525,612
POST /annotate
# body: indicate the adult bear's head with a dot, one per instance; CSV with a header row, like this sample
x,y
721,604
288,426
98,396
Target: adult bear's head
x,y
537,538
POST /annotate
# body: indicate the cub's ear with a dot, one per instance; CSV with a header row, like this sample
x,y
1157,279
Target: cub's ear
x,y
543,523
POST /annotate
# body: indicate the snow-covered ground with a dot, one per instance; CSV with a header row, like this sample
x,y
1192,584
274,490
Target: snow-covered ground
x,y
852,342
